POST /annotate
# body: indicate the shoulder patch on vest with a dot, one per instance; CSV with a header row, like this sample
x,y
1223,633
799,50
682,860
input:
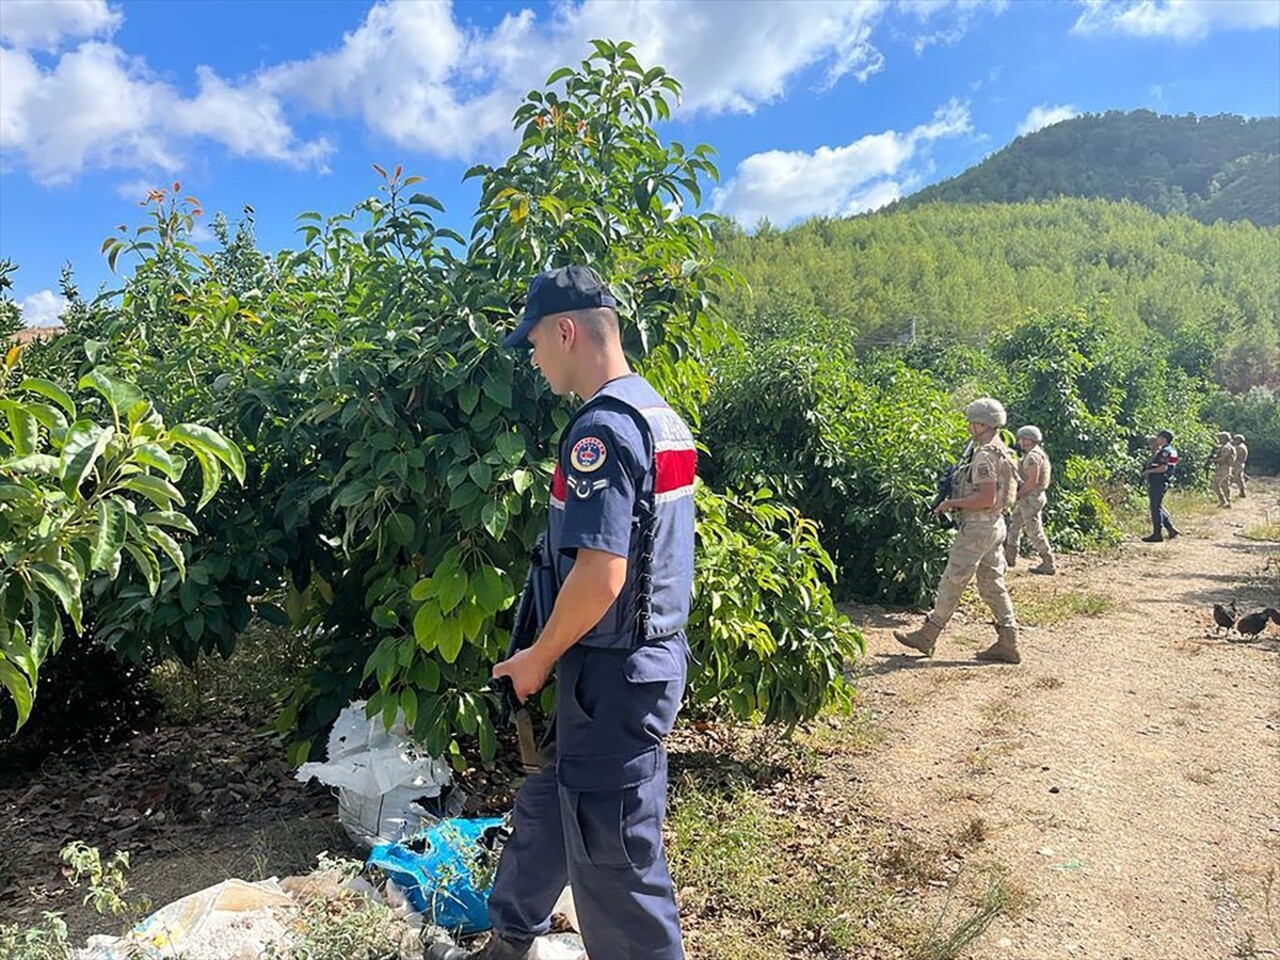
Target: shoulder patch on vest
x,y
588,454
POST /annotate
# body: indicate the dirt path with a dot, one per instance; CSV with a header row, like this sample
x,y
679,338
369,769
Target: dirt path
x,y
1127,773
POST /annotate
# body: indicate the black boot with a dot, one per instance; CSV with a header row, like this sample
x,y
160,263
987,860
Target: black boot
x,y
1154,538
495,948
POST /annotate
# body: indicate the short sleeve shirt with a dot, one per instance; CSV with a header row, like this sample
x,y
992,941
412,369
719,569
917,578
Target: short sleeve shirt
x,y
599,471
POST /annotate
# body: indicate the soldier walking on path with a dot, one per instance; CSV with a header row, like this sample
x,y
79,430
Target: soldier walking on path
x,y
1034,476
1242,457
1223,460
982,488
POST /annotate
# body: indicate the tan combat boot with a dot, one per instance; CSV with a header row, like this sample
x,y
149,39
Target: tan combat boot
x,y
922,639
1046,565
1005,649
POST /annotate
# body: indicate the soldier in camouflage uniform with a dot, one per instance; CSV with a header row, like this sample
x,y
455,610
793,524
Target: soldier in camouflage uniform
x,y
1034,475
982,488
1223,459
1242,457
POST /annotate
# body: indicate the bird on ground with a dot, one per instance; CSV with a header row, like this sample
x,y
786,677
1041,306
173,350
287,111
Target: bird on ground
x,y
1253,624
1224,617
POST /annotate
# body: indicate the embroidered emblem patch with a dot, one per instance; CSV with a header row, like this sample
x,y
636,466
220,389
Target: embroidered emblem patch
x,y
588,454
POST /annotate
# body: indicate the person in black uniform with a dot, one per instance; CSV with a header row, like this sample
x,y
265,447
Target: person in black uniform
x,y
1159,472
620,535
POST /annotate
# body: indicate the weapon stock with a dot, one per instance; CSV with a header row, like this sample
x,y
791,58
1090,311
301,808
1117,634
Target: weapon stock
x,y
532,610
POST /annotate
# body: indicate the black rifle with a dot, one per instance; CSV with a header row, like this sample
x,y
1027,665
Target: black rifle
x,y
532,610
943,486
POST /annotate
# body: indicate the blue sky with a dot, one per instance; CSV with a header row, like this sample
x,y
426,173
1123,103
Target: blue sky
x,y
816,107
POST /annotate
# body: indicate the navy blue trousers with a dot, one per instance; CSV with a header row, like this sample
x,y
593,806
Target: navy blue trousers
x,y
1157,486
593,818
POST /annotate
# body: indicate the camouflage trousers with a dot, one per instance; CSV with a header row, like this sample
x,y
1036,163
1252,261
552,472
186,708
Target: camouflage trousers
x,y
1222,484
978,551
1027,513
1237,477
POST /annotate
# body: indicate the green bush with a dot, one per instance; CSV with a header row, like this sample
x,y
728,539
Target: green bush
x,y
767,641
856,447
398,460
82,488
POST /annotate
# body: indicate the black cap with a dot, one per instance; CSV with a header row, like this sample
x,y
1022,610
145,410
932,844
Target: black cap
x,y
559,291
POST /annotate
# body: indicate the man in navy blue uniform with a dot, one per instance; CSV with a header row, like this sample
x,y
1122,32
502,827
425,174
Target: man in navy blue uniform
x,y
621,534
1159,472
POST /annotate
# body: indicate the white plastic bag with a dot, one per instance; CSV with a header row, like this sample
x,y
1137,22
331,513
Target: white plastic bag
x,y
381,777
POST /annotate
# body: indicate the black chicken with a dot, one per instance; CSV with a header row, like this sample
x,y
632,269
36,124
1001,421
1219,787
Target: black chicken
x,y
1224,617
1252,624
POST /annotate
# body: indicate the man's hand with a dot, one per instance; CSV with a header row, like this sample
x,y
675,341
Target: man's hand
x,y
946,506
527,670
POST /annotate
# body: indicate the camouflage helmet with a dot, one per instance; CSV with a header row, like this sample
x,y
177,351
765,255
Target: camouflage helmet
x,y
986,411
1031,432
1223,436
1238,438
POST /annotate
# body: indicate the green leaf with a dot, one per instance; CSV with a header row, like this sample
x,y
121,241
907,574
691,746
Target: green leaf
x,y
84,444
24,427
171,549
16,493
498,389
487,585
170,518
154,455
409,707
18,688
488,741
494,518
522,480
35,463
112,526
481,473
63,579
425,624
402,528
147,563
210,476
422,589
198,438
453,585
272,614
50,391
510,446
120,394
449,639
426,675
159,491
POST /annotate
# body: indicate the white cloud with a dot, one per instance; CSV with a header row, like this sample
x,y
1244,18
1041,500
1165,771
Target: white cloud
x,y
413,73
1046,116
786,186
97,107
44,24
1184,20
42,309
416,76
955,16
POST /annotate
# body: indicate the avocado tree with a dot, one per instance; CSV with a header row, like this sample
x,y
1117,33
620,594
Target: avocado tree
x,y
83,489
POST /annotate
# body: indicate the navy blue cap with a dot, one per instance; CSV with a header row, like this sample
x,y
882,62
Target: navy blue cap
x,y
559,291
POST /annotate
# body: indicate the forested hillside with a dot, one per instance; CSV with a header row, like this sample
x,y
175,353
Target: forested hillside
x,y
964,271
1222,167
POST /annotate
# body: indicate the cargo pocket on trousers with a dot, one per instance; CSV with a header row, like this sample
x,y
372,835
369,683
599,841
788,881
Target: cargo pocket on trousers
x,y
612,809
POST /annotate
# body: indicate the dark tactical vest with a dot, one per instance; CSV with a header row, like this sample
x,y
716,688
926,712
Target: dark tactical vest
x,y
655,600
